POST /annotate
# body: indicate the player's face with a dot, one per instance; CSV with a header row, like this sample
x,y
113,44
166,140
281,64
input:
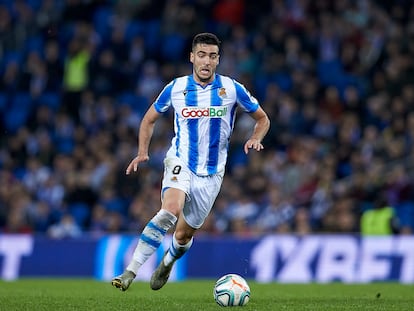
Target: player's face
x,y
205,58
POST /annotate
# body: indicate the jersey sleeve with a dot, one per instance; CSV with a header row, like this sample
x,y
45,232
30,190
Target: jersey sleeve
x,y
248,102
163,101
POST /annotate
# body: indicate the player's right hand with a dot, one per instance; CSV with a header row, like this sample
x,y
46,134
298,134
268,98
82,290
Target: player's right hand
x,y
133,166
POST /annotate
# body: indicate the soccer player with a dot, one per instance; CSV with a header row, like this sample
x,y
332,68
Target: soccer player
x,y
205,105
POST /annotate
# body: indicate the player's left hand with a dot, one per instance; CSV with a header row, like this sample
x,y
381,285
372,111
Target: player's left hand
x,y
133,166
253,144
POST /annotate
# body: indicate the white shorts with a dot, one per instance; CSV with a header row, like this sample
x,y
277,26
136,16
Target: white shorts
x,y
201,191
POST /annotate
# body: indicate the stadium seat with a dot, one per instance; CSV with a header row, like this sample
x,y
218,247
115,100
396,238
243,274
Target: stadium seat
x,y
80,212
133,29
3,102
152,36
15,118
115,204
34,4
51,100
102,21
173,47
283,80
11,56
329,72
8,3
34,44
22,100
65,145
138,104
66,32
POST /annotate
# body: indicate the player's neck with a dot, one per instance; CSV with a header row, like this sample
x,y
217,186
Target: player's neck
x,y
203,83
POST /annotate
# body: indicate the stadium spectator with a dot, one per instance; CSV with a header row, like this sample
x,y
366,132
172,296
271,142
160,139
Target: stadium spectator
x,y
278,212
76,73
65,228
381,220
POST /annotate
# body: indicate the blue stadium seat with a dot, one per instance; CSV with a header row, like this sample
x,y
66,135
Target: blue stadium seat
x,y
14,119
11,56
3,102
329,72
34,44
133,29
22,100
34,4
138,104
127,98
80,212
8,3
152,35
283,80
51,100
65,145
173,47
17,112
102,20
115,204
66,33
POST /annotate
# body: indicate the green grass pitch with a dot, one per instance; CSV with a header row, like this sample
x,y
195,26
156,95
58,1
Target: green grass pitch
x,y
194,295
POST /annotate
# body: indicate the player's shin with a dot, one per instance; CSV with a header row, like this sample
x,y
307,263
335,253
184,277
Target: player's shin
x,y
151,238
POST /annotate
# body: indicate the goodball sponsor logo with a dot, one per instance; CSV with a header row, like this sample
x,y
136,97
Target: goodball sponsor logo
x,y
208,112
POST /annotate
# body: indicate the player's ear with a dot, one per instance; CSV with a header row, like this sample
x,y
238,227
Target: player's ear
x,y
192,57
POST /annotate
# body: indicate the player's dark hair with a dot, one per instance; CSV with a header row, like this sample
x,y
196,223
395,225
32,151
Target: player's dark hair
x,y
205,38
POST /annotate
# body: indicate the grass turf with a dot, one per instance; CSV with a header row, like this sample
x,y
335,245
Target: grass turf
x,y
82,294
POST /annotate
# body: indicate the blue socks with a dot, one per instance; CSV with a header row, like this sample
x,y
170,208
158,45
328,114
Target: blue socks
x,y
176,251
151,238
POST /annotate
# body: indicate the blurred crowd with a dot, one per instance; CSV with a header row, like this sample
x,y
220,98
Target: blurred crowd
x,y
335,77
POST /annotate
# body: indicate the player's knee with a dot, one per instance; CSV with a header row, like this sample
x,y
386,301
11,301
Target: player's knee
x,y
173,207
183,237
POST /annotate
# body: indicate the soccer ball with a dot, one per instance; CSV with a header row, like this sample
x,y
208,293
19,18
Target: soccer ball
x,y
231,290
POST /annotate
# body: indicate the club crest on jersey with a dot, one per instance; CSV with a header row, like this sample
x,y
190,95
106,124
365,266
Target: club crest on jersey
x,y
222,92
207,112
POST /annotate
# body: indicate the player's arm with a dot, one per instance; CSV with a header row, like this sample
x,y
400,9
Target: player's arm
x,y
146,130
259,132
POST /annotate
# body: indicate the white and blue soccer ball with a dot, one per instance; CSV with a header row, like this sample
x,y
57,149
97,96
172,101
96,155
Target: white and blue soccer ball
x,y
231,290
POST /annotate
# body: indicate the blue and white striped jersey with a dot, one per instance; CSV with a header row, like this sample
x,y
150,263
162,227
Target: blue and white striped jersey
x,y
204,119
